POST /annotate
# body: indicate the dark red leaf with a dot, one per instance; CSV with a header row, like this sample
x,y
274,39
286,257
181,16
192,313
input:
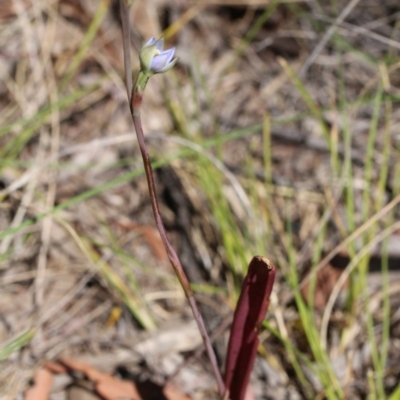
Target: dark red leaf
x,y
250,311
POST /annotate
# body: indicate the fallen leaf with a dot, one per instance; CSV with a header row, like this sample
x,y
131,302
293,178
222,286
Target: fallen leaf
x,y
111,388
151,235
41,388
90,372
326,280
55,367
172,394
106,385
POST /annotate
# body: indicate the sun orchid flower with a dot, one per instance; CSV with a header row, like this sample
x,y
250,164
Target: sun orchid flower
x,y
155,60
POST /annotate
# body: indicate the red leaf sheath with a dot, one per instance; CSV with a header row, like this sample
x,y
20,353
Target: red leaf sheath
x,y
250,311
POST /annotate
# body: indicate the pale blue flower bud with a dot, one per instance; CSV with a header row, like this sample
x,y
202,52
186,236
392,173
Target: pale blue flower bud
x,y
153,60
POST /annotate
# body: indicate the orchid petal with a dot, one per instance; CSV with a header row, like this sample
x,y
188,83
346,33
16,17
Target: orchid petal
x,y
153,60
168,66
151,41
160,44
161,60
158,62
171,52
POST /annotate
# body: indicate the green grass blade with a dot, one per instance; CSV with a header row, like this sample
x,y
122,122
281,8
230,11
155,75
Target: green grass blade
x,y
16,344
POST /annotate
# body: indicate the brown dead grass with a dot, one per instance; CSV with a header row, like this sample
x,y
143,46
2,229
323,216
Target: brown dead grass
x,y
67,274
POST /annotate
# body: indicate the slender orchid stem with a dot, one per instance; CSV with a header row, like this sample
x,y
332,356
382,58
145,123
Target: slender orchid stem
x,y
135,97
173,257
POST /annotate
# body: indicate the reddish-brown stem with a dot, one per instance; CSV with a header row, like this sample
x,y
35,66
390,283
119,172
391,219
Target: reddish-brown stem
x,y
136,101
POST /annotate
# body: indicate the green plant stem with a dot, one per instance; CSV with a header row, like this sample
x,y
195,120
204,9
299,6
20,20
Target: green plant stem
x,y
136,102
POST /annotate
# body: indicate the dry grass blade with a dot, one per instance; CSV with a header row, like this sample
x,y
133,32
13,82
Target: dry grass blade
x,y
345,276
363,31
322,43
359,231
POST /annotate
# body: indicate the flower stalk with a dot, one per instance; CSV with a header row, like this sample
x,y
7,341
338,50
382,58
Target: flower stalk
x,y
136,102
154,60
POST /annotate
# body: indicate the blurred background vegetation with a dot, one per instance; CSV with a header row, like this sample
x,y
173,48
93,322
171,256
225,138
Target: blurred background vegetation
x,y
276,134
